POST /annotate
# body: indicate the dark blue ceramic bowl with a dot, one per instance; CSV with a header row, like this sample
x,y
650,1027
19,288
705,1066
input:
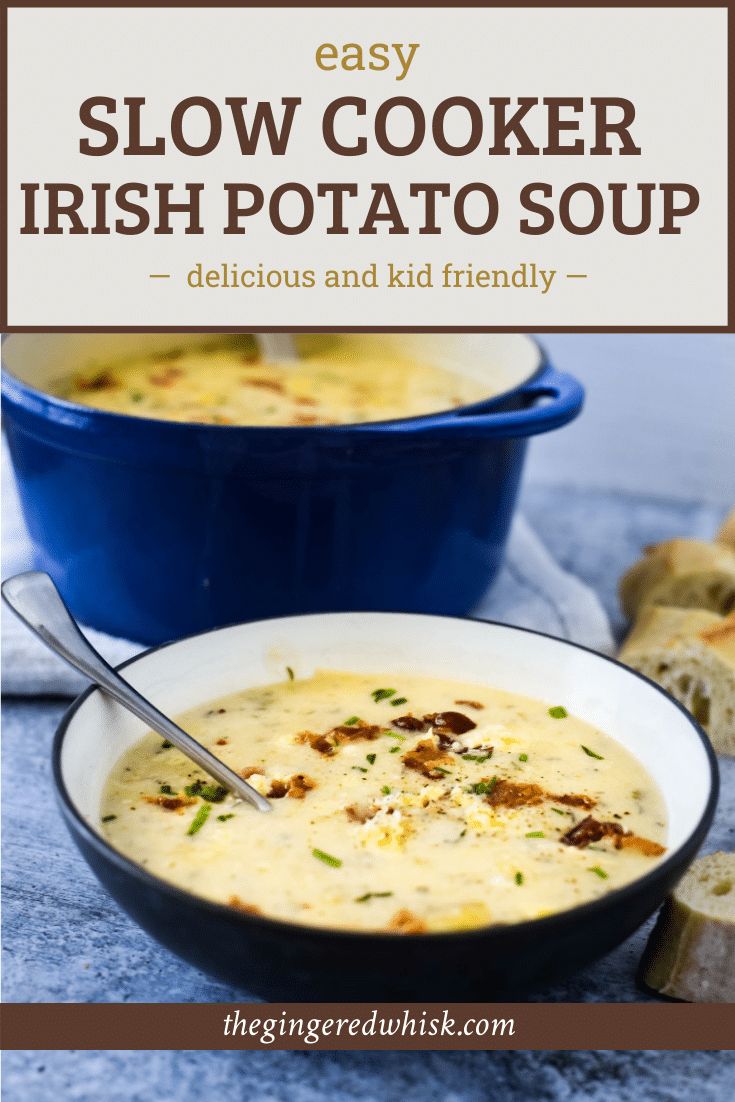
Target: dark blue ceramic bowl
x,y
282,960
155,529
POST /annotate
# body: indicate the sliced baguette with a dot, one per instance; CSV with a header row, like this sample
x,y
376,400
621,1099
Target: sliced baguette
x,y
691,952
691,654
683,573
726,534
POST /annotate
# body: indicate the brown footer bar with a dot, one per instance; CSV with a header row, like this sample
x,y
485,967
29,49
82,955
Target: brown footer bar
x,y
370,1026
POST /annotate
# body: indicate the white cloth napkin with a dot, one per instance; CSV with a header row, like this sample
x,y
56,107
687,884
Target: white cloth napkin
x,y
531,591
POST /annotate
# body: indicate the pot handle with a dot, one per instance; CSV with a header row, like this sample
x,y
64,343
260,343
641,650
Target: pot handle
x,y
564,394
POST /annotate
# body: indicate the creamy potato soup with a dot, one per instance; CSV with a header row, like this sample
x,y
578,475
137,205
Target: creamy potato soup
x,y
230,384
398,804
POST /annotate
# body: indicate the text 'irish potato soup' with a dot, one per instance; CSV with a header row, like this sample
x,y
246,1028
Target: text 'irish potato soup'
x,y
230,384
409,805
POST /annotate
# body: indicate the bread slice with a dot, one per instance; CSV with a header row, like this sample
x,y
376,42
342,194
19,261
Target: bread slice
x,y
726,534
691,654
691,952
683,573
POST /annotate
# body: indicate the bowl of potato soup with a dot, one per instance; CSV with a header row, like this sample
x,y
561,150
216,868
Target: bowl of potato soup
x,y
195,484
458,808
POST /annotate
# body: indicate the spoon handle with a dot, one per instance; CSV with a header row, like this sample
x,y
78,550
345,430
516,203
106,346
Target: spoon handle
x,y
35,599
277,347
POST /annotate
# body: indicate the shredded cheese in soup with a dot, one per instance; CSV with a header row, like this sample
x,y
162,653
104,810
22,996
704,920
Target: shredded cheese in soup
x,y
230,384
398,804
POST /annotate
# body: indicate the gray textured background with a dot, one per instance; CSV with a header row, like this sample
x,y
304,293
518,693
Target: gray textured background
x,y
653,456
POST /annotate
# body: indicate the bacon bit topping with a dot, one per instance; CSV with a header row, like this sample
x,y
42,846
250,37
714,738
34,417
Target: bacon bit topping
x,y
360,813
427,758
171,803
166,377
509,794
222,741
591,830
353,732
443,723
575,800
643,845
240,905
406,922
347,732
319,743
450,723
471,704
410,723
103,380
296,787
299,785
265,384
247,773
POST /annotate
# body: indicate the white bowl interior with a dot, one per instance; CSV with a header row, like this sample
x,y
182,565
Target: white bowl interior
x,y
502,361
633,711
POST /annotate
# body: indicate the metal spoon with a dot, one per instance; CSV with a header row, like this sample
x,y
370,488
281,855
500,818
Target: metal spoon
x,y
277,347
35,599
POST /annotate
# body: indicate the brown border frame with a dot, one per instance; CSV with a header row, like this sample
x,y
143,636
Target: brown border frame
x,y
539,1027
728,5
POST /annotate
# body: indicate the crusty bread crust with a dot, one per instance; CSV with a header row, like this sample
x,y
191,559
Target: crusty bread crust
x,y
726,533
691,952
691,654
683,573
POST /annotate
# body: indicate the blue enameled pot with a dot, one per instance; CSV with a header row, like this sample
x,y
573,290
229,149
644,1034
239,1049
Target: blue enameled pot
x,y
154,530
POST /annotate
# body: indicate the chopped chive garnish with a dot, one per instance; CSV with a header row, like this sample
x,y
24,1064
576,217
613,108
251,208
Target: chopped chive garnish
x,y
599,872
559,811
398,701
372,895
385,790
371,758
476,757
395,734
523,757
136,396
360,768
352,721
441,769
483,787
558,712
108,818
167,790
290,673
213,793
166,745
394,750
535,834
333,862
224,818
199,819
591,753
382,694
519,878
